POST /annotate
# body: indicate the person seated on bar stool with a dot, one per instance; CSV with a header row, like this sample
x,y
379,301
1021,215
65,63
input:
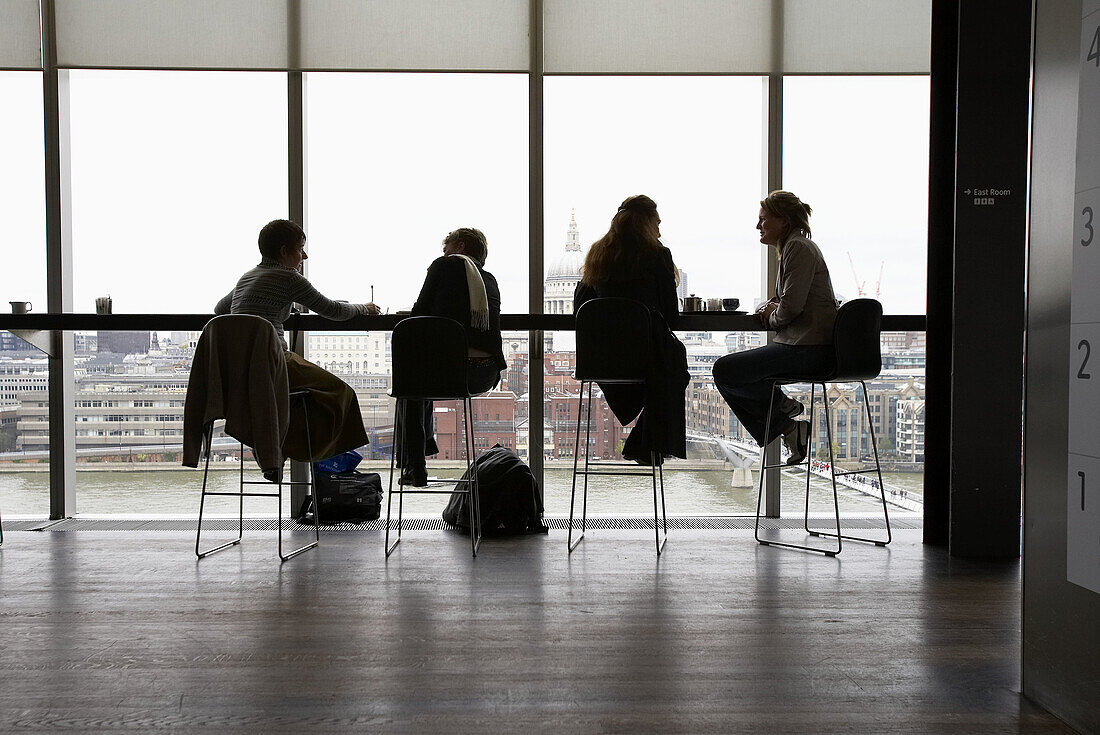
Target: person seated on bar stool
x,y
269,290
802,315
630,262
457,287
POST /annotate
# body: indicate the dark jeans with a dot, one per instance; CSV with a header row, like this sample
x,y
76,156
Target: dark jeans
x,y
417,440
744,380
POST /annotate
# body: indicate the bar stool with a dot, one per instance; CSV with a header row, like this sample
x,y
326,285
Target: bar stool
x,y
303,396
239,374
613,347
858,358
429,364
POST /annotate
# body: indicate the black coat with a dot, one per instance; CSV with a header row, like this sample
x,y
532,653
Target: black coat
x,y
446,294
662,425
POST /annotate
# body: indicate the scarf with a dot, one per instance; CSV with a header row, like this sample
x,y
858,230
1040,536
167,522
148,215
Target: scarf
x,y
479,300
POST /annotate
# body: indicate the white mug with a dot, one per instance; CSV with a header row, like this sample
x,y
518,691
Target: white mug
x,y
103,305
21,307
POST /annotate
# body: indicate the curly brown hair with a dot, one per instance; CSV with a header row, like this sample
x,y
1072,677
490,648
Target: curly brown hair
x,y
629,244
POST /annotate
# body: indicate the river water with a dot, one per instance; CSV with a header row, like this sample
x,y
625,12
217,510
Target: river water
x,y
688,492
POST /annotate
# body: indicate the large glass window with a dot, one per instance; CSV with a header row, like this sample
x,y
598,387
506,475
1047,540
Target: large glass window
x,y
856,149
24,408
395,162
695,145
173,174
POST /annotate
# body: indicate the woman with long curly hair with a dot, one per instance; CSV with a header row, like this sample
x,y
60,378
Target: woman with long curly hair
x,y
630,262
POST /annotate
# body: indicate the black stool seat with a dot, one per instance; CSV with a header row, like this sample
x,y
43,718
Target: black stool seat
x,y
429,356
613,347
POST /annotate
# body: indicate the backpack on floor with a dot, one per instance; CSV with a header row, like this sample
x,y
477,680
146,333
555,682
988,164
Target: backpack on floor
x,y
350,496
511,503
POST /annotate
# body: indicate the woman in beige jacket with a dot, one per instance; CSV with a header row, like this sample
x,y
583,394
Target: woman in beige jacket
x,y
801,313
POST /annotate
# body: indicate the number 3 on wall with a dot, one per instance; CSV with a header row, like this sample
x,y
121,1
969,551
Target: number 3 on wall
x,y
1087,214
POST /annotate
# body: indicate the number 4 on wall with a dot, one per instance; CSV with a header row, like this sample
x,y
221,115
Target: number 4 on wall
x,y
1094,48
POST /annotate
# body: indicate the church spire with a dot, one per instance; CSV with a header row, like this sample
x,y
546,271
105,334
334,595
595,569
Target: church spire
x,y
573,241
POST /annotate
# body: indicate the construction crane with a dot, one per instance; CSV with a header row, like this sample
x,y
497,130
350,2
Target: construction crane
x,y
861,286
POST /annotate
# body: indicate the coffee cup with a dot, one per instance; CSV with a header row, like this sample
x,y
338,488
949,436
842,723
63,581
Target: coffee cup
x,y
103,305
21,307
731,304
714,304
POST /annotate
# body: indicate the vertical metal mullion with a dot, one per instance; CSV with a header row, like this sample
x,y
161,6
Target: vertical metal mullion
x,y
536,409
296,186
773,179
59,270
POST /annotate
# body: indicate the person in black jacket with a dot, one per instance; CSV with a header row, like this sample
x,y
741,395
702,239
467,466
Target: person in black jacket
x,y
457,287
630,262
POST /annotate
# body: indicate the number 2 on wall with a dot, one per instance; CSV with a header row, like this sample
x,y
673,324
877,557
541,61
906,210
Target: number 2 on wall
x,y
1087,213
1088,351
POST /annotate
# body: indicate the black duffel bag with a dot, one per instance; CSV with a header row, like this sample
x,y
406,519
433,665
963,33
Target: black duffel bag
x,y
346,497
510,500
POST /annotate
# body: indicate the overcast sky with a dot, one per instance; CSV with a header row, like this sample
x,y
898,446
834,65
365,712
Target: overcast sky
x,y
174,173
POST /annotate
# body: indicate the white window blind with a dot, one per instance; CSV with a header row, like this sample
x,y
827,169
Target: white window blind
x,y
580,36
857,36
172,34
20,36
735,36
625,36
472,35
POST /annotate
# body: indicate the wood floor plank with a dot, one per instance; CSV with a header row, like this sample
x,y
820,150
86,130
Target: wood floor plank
x,y
125,632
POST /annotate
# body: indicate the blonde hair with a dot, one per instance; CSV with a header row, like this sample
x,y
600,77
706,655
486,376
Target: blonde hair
x,y
628,244
791,209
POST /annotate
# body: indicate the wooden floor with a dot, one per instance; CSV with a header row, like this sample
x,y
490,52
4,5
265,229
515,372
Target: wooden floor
x,y
126,632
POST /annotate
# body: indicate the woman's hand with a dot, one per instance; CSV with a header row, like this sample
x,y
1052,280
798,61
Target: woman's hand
x,y
765,311
372,309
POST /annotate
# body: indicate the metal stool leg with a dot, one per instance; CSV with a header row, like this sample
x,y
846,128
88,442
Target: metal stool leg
x,y
398,425
209,438
764,467
881,485
316,501
576,458
659,539
471,473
